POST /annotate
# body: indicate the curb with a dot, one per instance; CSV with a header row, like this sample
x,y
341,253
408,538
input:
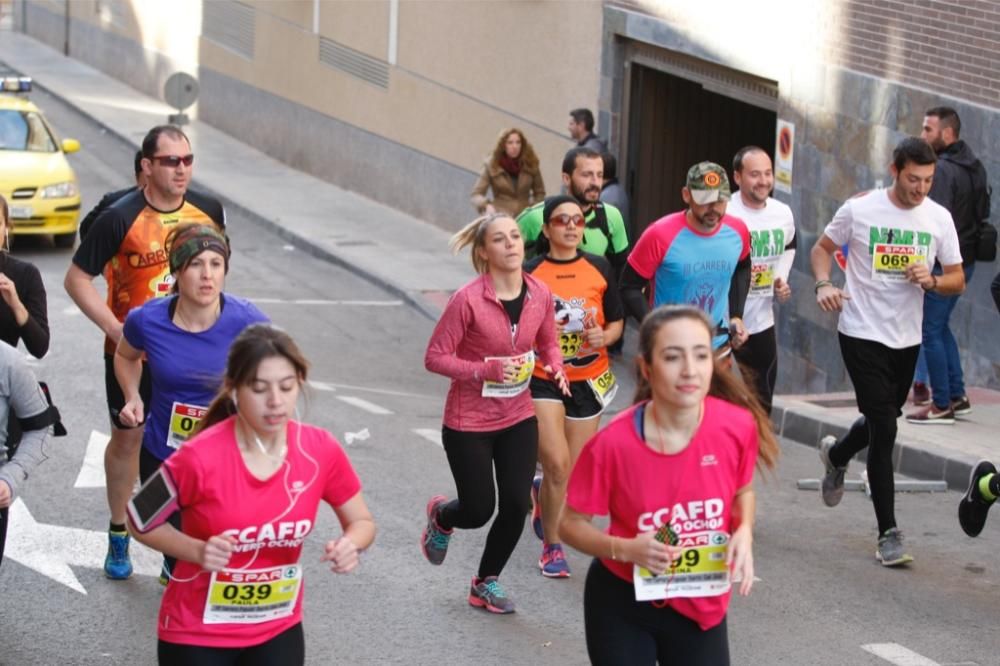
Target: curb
x,y
907,458
283,232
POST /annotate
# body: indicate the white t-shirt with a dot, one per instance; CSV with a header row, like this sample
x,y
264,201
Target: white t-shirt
x,y
881,240
771,230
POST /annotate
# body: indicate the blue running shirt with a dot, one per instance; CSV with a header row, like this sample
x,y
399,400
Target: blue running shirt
x,y
687,267
186,368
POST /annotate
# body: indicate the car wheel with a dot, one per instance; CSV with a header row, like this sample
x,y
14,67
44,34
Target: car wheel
x,y
64,240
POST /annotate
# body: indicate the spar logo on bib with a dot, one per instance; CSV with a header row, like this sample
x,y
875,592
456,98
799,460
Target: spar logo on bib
x,y
284,534
692,516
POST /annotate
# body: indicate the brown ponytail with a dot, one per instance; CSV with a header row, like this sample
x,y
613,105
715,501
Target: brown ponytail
x,y
724,385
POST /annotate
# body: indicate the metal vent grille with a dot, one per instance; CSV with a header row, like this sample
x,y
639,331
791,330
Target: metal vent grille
x,y
229,24
353,62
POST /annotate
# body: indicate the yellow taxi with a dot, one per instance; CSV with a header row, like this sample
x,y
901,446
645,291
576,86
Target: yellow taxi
x,y
40,187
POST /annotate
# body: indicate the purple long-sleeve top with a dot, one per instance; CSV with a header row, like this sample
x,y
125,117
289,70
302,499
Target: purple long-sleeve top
x,y
475,326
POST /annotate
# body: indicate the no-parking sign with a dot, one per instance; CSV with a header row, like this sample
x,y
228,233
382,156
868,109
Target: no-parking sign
x,y
783,151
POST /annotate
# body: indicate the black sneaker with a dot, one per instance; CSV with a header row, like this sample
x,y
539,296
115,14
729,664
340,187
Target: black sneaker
x,y
961,406
832,486
973,508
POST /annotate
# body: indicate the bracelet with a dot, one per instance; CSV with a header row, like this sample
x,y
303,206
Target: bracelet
x,y
613,556
933,286
820,284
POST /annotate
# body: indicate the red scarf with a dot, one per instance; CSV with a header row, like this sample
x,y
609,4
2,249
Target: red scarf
x,y
510,164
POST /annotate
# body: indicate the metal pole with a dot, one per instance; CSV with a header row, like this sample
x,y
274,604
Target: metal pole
x,y
66,30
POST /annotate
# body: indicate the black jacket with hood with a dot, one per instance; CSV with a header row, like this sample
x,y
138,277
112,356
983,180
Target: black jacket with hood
x,y
960,185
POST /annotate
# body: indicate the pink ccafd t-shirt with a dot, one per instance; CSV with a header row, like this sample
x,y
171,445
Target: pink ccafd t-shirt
x,y
217,494
641,489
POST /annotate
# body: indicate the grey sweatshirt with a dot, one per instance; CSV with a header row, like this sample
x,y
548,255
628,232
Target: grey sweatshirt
x,y
20,395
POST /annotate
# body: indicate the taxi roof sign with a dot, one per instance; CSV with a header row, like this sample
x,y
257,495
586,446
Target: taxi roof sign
x,y
15,84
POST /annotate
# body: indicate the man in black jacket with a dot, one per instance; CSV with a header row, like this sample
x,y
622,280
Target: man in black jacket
x,y
960,185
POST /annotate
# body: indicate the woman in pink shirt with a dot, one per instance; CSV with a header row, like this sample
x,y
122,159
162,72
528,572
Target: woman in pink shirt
x,y
674,472
484,342
248,486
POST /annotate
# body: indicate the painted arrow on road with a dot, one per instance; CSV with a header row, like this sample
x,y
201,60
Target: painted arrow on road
x,y
92,471
52,549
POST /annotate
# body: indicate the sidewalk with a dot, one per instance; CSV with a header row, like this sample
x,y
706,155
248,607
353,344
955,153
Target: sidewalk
x,y
410,258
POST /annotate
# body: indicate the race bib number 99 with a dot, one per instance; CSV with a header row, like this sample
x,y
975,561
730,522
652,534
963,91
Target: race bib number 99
x,y
701,570
249,597
526,363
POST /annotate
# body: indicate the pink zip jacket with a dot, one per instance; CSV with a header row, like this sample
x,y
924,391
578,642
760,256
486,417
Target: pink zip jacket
x,y
475,325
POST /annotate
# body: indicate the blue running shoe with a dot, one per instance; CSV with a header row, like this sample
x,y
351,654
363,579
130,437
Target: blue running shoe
x,y
553,561
536,508
489,594
434,541
117,565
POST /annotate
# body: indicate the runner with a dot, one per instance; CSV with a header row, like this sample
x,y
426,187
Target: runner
x,y
23,309
126,244
248,486
21,400
674,473
699,256
983,491
589,318
484,342
772,250
893,238
184,339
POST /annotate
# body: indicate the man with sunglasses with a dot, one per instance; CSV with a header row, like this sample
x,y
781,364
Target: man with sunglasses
x,y
126,244
699,256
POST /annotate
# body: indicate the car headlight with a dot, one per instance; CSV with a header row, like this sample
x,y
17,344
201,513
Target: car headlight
x,y
59,191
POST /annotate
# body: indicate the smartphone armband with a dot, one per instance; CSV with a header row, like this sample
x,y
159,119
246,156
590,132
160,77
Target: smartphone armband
x,y
155,501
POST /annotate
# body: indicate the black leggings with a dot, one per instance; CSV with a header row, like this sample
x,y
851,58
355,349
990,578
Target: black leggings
x,y
624,632
4,517
288,647
148,464
758,359
473,457
881,377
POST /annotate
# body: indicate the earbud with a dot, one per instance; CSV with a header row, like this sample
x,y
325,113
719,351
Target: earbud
x,y
232,396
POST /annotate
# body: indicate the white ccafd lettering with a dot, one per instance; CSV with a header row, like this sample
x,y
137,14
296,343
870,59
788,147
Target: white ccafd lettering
x,y
270,532
695,512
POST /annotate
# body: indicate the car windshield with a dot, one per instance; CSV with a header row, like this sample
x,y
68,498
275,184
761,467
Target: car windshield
x,y
24,130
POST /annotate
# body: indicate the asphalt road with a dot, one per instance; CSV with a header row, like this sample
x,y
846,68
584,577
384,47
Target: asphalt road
x,y
820,597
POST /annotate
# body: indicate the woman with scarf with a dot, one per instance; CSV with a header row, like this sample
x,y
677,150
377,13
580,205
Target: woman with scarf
x,y
512,174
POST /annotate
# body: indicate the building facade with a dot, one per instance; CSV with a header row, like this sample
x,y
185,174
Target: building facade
x,y
401,100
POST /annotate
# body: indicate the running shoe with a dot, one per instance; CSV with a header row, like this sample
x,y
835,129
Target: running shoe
x,y
921,394
536,508
553,561
117,565
932,415
489,594
961,406
833,478
434,540
890,551
973,508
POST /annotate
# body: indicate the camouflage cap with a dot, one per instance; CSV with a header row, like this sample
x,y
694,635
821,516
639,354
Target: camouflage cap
x,y
708,183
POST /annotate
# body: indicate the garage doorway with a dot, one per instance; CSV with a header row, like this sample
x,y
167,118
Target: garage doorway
x,y
675,122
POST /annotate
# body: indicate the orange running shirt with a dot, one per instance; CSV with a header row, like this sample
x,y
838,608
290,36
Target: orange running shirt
x,y
585,296
126,244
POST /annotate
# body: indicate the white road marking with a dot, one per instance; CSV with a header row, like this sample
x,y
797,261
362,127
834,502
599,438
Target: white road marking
x,y
72,310
896,654
321,301
92,471
333,386
52,549
321,386
360,403
432,435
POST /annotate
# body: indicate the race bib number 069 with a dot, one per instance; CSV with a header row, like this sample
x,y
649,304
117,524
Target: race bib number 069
x,y
890,262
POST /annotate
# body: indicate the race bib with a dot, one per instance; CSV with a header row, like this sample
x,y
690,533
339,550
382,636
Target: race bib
x,y
889,262
762,276
605,387
183,419
701,570
249,597
161,285
520,383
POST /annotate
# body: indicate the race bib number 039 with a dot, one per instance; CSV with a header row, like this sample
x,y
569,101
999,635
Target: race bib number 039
x,y
526,362
890,262
249,597
183,419
701,570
